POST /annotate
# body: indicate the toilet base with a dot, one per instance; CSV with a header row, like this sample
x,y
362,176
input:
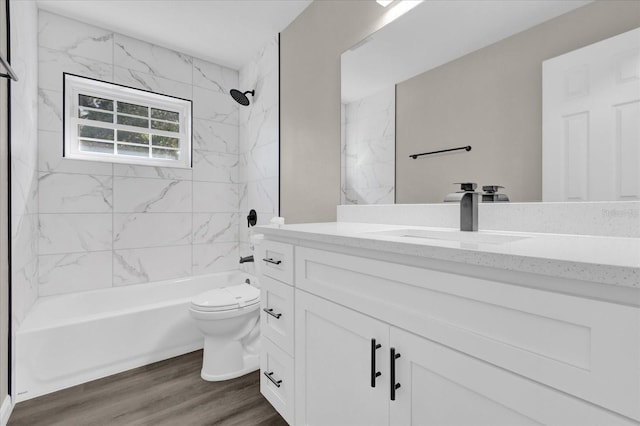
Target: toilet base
x,y
251,364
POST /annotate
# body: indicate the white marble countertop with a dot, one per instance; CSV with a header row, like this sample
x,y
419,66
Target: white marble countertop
x,y
606,260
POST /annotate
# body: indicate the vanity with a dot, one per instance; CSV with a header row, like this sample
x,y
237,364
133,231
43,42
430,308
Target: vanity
x,y
390,324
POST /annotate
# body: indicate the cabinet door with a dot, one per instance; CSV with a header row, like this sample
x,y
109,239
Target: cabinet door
x,y
333,365
443,387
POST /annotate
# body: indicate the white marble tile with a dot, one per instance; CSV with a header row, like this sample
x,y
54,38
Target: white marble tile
x,y
53,63
213,197
382,195
215,167
146,195
24,188
50,158
380,104
152,83
141,230
128,170
24,289
69,233
73,272
214,106
49,110
24,240
263,195
215,227
215,137
75,193
243,195
217,257
74,38
214,77
141,56
262,162
151,264
374,175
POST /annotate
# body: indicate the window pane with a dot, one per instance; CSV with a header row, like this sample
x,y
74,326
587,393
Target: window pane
x,y
137,151
165,115
132,109
97,103
95,115
169,127
165,153
141,138
133,121
165,141
92,146
95,132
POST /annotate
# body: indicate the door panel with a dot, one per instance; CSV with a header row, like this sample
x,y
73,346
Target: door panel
x,y
333,365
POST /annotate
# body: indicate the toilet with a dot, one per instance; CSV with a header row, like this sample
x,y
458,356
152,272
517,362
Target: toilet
x,y
228,318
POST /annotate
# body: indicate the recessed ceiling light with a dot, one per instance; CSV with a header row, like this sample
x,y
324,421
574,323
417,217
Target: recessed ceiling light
x,y
384,3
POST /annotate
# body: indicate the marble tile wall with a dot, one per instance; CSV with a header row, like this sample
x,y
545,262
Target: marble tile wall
x,y
103,224
369,150
259,141
24,158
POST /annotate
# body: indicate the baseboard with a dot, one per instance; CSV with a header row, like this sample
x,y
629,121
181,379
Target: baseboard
x,y
5,410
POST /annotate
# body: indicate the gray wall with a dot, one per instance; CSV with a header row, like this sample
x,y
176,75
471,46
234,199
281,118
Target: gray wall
x,y
310,49
492,100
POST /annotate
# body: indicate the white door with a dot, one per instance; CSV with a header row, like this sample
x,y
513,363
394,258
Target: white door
x,y
333,365
591,122
443,387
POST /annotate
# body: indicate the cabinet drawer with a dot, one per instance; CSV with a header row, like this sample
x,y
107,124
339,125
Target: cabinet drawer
x,y
276,379
587,348
276,316
276,260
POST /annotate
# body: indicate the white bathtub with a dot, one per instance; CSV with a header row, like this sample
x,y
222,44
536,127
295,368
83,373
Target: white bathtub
x,y
74,338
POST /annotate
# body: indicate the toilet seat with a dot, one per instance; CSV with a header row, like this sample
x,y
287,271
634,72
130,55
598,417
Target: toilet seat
x,y
226,298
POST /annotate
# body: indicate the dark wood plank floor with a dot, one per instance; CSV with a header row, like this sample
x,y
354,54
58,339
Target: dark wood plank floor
x,y
168,392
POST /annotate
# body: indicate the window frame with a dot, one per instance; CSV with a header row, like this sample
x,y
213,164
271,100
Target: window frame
x,y
75,85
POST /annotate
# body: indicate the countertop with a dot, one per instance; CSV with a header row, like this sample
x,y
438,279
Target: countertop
x,y
600,259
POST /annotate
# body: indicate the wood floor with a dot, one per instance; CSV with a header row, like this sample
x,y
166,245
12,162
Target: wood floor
x,y
168,392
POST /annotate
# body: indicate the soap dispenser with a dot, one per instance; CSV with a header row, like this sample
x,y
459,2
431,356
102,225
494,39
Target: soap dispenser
x,y
491,194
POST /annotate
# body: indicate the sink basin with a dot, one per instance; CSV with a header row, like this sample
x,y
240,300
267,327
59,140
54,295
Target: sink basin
x,y
482,237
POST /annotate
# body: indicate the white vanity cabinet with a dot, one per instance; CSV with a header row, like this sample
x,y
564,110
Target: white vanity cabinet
x,y
473,350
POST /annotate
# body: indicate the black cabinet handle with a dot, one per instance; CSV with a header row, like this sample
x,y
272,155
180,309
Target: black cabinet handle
x,y
274,381
393,383
270,260
374,372
270,312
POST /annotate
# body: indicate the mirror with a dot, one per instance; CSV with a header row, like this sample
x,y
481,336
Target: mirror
x,y
451,74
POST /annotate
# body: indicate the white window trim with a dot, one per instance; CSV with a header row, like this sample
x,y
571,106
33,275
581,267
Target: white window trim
x,y
75,85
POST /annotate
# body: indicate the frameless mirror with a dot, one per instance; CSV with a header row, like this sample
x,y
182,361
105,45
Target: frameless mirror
x,y
470,73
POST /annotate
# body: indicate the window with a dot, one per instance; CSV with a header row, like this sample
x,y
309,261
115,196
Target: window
x,y
109,122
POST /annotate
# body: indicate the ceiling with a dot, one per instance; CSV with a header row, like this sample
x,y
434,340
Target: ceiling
x,y
227,32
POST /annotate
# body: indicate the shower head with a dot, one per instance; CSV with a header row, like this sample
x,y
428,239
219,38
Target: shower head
x,y
240,97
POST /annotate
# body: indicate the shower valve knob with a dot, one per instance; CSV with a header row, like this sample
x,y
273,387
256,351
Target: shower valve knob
x,y
252,219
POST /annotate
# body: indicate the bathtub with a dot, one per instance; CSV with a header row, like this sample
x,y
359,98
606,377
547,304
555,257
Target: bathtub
x,y
73,338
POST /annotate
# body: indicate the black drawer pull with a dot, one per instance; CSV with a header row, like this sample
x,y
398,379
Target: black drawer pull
x,y
270,312
374,372
274,381
393,383
270,260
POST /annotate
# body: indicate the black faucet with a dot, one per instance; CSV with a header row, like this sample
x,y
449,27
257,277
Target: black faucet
x,y
246,259
469,208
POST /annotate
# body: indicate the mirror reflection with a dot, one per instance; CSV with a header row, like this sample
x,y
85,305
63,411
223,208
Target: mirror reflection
x,y
452,74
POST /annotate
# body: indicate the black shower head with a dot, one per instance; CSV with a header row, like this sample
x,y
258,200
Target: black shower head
x,y
240,97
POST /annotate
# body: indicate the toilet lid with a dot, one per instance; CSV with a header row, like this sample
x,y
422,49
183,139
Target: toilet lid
x,y
226,298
